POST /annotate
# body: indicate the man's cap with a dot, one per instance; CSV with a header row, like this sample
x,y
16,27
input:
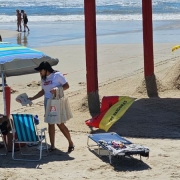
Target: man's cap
x,y
44,65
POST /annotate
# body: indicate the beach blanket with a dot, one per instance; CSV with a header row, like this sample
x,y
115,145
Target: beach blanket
x,y
119,148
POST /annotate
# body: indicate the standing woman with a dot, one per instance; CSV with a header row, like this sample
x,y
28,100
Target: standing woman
x,y
18,20
25,20
51,79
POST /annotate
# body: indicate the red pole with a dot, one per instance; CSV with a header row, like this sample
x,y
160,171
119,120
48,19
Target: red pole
x,y
7,90
148,37
91,45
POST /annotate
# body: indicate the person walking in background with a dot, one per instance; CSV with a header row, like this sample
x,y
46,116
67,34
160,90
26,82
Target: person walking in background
x,y
0,38
25,20
51,79
18,14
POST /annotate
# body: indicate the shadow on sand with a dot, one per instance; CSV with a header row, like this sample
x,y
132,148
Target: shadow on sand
x,y
120,163
57,155
150,118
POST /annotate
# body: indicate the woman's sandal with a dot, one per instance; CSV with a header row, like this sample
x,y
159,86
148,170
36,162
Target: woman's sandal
x,y
70,149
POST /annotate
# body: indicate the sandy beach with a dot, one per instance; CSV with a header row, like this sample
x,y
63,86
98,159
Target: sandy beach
x,y
153,122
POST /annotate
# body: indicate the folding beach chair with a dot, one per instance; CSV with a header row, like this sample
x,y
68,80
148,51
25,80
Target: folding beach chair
x,y
25,131
115,145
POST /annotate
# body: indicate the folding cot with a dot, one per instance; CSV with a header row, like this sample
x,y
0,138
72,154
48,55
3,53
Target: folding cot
x,y
116,145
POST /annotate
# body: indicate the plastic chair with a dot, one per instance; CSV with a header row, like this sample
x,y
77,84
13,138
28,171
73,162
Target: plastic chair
x,y
25,131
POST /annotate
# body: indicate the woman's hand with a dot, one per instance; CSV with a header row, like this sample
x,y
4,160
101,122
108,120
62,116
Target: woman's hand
x,y
38,95
53,91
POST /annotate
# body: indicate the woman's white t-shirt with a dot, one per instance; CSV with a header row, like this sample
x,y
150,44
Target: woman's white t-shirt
x,y
53,80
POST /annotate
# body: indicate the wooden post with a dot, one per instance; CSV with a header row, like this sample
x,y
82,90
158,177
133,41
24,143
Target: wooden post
x,y
91,56
148,48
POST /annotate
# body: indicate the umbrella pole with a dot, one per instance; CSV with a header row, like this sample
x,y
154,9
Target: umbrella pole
x,y
4,98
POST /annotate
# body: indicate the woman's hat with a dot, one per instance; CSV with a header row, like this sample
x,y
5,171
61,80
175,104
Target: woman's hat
x,y
44,65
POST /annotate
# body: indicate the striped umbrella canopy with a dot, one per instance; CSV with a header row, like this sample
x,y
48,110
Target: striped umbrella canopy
x,y
19,60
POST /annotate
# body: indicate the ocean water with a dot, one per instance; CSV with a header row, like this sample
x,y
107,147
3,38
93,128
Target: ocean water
x,y
60,22
68,10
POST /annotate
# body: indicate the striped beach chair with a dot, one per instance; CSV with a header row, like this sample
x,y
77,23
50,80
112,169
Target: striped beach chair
x,y
25,131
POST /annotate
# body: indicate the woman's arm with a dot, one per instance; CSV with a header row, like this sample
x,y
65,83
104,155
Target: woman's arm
x,y
65,86
38,95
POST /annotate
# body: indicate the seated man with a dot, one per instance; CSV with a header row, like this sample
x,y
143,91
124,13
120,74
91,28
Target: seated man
x,y
5,129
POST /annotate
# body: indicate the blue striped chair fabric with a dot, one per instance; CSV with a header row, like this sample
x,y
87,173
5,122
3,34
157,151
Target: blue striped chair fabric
x,y
24,126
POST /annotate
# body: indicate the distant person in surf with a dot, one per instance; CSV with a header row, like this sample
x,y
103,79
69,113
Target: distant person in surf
x,y
18,14
25,20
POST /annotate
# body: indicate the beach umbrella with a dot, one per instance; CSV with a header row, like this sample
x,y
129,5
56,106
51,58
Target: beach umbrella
x,y
18,60
112,109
